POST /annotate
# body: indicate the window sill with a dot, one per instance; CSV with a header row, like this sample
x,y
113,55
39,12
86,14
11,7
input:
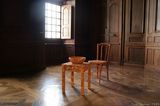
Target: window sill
x,y
60,41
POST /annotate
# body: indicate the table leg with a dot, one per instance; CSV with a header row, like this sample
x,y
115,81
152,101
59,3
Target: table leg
x,y
72,78
97,71
82,83
63,79
89,77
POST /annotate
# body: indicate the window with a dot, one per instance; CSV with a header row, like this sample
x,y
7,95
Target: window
x,y
57,21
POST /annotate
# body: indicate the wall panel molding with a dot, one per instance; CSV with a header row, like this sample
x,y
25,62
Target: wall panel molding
x,y
137,16
135,32
158,17
152,52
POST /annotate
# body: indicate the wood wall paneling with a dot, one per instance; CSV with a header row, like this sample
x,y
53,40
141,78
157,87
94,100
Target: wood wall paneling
x,y
152,59
152,16
150,39
158,16
150,56
115,53
23,57
135,32
135,39
113,28
157,39
113,21
137,16
54,53
22,46
85,34
69,50
153,35
157,58
58,53
136,55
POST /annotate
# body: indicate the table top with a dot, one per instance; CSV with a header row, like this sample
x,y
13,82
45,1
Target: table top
x,y
76,67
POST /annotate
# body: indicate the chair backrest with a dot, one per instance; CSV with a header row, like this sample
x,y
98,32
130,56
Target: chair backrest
x,y
103,51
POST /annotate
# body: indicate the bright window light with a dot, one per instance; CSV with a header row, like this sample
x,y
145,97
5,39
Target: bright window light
x,y
52,20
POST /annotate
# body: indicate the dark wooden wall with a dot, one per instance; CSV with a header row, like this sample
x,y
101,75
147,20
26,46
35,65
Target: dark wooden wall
x,y
21,40
82,28
97,24
58,52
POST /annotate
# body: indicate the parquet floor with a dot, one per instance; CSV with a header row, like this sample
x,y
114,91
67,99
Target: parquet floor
x,y
125,88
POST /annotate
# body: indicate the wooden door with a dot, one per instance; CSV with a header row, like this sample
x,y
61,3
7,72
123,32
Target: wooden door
x,y
135,31
113,28
125,30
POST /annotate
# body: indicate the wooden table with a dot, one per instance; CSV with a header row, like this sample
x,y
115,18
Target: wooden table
x,y
81,68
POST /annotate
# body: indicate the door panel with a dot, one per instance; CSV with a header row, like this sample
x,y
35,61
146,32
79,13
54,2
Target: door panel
x,y
137,16
134,32
113,28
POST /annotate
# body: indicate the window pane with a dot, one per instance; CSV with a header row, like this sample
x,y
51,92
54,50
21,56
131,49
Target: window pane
x,y
48,20
48,35
54,14
48,27
58,9
58,35
58,22
48,13
58,28
48,6
53,7
53,35
53,28
53,21
58,15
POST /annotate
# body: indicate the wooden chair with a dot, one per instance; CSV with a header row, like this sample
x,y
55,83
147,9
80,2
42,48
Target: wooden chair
x,y
103,53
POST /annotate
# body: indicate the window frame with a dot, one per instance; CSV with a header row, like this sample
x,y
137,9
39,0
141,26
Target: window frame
x,y
60,25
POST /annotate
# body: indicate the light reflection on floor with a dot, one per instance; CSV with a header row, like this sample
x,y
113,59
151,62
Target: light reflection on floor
x,y
52,96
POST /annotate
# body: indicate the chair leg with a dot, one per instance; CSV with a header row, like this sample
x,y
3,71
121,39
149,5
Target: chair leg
x,y
107,66
100,71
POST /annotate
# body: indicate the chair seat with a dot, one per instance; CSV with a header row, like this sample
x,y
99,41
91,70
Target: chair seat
x,y
96,62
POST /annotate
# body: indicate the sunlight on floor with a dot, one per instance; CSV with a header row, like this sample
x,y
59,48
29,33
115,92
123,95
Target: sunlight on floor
x,y
52,96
